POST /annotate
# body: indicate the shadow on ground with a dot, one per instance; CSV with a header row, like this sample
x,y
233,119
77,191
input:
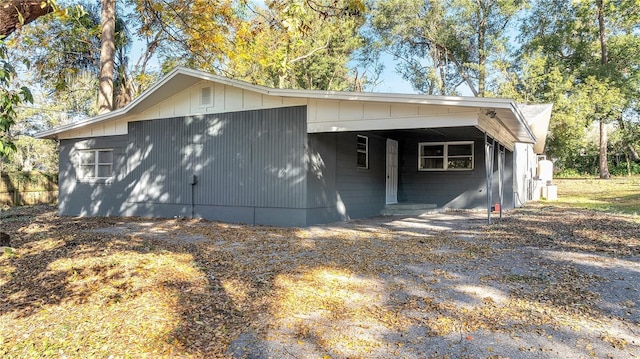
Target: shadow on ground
x,y
444,285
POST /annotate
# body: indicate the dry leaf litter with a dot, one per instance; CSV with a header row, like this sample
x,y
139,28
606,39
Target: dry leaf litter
x,y
426,287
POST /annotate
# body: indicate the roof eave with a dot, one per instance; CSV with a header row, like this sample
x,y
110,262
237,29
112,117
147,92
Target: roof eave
x,y
416,99
459,101
52,133
523,123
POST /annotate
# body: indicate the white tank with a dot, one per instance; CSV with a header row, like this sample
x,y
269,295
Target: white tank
x,y
545,171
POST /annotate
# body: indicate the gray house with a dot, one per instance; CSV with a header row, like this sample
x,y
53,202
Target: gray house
x,y
204,146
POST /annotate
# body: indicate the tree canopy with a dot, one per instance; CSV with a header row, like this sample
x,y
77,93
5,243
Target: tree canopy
x,y
445,44
585,60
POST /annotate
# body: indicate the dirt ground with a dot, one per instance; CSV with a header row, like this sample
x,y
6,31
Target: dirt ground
x,y
543,282
479,292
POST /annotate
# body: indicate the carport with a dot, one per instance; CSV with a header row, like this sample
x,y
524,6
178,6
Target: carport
x,y
396,130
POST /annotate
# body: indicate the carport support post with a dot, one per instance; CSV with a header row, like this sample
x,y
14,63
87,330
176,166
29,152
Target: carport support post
x,y
501,159
488,162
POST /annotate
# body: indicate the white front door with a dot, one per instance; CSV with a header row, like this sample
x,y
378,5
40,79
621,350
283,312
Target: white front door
x,y
392,171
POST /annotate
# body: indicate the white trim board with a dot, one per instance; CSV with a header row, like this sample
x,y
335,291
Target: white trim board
x,y
173,96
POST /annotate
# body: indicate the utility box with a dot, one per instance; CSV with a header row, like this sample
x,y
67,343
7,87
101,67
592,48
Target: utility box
x,y
543,182
545,170
537,189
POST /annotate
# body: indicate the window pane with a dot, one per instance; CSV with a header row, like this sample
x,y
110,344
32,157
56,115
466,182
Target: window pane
x,y
362,143
362,150
461,162
87,157
104,171
432,150
87,171
362,160
460,150
431,163
105,156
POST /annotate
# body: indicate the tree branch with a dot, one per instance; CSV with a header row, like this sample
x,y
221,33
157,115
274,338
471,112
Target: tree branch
x,y
463,73
16,13
310,53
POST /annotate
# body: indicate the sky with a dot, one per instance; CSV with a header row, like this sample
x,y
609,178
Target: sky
x,y
392,82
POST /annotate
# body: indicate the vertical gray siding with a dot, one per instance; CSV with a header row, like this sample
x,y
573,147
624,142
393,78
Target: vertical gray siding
x,y
159,164
247,159
254,159
362,190
90,198
250,168
450,189
322,195
261,167
453,189
509,188
337,189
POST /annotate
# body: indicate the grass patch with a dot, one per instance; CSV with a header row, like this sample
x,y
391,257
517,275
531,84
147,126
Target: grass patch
x,y
616,195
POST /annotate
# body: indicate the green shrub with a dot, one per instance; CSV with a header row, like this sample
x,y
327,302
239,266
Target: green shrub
x,y
622,170
571,173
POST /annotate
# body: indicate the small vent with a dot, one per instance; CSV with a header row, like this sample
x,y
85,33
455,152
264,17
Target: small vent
x,y
205,96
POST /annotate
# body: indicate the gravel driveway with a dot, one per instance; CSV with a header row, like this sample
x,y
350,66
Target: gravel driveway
x,y
540,283
543,282
480,292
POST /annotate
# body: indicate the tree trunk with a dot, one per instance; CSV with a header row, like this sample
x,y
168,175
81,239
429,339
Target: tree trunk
x,y
482,56
107,53
10,11
604,59
626,157
441,68
465,76
603,165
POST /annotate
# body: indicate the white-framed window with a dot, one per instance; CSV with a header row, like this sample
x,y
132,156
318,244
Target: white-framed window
x,y
95,164
363,152
445,156
206,96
